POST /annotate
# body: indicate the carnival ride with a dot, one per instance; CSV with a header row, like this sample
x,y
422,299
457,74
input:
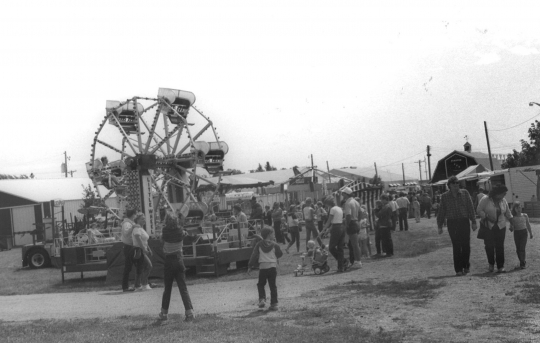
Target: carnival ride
x,y
150,154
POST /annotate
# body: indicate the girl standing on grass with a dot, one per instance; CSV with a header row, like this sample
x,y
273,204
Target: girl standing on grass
x,y
520,226
174,269
294,230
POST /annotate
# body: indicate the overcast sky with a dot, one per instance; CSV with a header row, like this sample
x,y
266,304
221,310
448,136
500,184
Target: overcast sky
x,y
352,83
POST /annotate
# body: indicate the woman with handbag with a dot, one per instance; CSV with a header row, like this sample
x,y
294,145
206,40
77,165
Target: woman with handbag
x,y
495,210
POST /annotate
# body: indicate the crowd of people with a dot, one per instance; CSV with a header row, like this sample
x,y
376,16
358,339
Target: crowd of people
x,y
455,209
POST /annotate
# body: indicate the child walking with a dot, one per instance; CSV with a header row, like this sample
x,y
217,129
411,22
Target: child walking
x,y
416,207
265,256
294,230
520,226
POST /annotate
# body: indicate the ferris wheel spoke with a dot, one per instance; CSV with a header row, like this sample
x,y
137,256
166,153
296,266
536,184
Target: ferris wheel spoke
x,y
178,136
124,134
166,127
164,140
152,130
160,191
195,175
113,148
108,195
194,138
152,136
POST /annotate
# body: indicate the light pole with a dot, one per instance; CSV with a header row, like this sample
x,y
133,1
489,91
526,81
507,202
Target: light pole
x,y
534,103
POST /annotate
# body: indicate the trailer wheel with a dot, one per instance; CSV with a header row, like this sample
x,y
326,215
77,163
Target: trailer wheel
x,y
38,259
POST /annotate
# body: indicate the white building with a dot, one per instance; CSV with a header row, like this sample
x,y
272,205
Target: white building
x,y
25,202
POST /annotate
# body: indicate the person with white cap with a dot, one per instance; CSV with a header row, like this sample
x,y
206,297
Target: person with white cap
x,y
351,211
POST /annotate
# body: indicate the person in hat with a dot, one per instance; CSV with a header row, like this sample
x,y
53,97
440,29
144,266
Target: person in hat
x,y
457,209
496,211
351,211
265,255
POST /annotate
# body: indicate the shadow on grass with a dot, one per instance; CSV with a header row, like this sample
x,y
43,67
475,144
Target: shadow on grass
x,y
418,290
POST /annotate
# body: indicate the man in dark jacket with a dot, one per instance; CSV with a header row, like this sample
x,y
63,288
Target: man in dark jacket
x,y
384,214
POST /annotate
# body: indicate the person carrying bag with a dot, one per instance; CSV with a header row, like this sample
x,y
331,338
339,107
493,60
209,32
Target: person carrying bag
x,y
495,212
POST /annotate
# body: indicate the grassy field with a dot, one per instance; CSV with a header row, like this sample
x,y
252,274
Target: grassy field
x,y
423,238
288,327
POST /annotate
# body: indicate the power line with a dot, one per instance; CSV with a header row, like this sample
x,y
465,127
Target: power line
x,y
508,128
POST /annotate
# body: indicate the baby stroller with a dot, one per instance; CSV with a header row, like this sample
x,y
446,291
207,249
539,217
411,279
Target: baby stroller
x,y
320,262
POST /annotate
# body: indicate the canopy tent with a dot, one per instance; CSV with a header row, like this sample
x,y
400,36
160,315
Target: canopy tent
x,y
472,173
230,182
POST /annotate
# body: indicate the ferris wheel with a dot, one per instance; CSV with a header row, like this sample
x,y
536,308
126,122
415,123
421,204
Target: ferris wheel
x,y
150,152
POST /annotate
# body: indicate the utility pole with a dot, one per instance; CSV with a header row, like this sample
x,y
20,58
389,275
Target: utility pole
x,y
65,163
420,168
312,170
328,169
376,173
66,158
403,170
489,148
425,167
429,161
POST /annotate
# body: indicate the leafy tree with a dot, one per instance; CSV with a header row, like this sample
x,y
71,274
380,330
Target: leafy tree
x,y
235,171
530,151
89,198
269,167
259,169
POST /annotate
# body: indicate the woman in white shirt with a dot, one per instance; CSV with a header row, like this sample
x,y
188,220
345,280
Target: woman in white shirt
x,y
142,252
495,210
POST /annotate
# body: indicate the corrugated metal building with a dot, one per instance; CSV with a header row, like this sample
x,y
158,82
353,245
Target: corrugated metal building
x,y
25,202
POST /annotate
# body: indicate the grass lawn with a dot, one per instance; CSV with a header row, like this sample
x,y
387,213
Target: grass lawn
x,y
422,238
261,327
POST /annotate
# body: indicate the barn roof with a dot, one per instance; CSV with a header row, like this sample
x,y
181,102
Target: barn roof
x,y
41,190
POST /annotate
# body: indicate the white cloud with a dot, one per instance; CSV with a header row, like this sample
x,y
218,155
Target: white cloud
x,y
524,51
487,58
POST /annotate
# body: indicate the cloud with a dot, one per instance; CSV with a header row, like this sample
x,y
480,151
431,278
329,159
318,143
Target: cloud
x,y
523,51
487,58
